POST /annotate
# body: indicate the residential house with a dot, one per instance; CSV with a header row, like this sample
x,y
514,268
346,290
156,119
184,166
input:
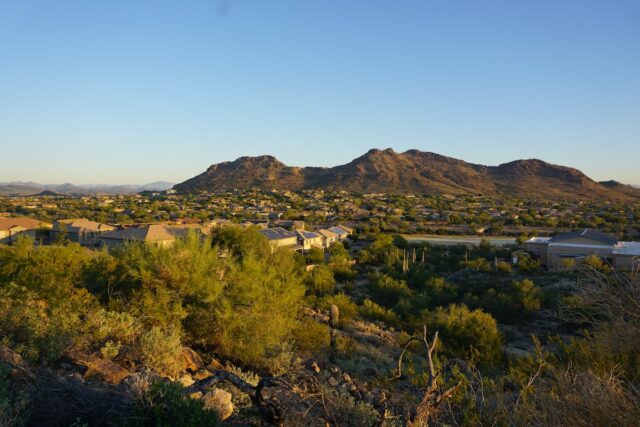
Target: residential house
x,y
156,234
342,231
328,237
12,228
80,230
280,238
309,239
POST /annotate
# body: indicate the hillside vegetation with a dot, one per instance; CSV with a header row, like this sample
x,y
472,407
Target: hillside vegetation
x,y
226,331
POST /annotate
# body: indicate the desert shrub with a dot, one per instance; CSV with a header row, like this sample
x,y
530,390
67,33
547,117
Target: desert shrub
x,y
526,296
311,336
320,280
527,264
161,350
596,263
348,309
241,242
349,412
258,311
36,328
503,267
315,256
53,272
372,311
478,264
13,406
471,335
161,281
386,290
166,405
101,326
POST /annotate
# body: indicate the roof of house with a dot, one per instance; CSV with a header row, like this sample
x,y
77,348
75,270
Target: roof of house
x,y
148,233
627,248
587,233
308,235
327,233
27,223
539,240
341,230
276,233
82,224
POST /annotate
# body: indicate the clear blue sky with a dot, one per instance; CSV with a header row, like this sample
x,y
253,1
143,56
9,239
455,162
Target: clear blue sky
x,y
132,91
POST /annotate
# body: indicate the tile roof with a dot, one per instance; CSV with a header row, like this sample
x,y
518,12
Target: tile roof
x,y
148,233
28,223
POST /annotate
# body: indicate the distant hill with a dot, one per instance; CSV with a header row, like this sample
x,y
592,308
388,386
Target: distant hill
x,y
385,171
32,188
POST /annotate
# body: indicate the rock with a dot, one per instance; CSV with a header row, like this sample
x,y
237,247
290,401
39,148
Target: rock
x,y
106,370
332,382
186,380
196,395
202,375
215,364
191,361
312,365
346,378
219,401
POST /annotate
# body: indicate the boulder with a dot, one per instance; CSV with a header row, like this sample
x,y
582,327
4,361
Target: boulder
x,y
186,380
105,370
191,361
202,375
219,401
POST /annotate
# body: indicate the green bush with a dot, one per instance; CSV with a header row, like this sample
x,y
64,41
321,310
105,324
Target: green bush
x,y
161,351
372,311
386,290
311,336
165,405
348,309
320,280
468,334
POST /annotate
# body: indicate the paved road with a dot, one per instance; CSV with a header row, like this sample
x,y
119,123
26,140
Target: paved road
x,y
458,240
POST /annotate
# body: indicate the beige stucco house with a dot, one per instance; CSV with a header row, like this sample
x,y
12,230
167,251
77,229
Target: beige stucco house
x,y
155,234
80,230
12,228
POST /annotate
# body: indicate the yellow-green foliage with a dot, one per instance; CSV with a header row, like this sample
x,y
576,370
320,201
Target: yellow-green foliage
x,y
311,336
468,334
160,350
346,307
371,310
320,280
258,312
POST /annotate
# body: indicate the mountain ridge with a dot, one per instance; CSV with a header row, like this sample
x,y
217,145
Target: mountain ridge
x,y
413,171
19,188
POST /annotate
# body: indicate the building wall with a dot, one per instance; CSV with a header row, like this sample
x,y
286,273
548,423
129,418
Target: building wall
x,y
538,250
557,253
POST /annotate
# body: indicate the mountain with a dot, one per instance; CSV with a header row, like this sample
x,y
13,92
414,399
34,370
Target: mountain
x,y
385,171
32,188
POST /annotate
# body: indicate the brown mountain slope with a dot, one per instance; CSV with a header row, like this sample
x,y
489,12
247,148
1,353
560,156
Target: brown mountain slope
x,y
385,171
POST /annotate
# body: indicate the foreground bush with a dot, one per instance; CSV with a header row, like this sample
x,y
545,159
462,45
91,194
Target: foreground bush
x,y
165,405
